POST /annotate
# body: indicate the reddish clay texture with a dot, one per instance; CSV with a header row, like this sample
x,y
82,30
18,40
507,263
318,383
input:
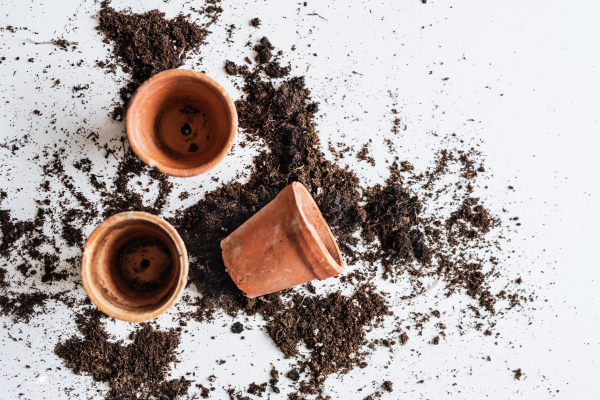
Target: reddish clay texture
x,y
181,122
287,243
134,266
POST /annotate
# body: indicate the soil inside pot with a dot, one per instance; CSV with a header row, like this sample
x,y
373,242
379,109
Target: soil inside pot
x,y
183,130
145,263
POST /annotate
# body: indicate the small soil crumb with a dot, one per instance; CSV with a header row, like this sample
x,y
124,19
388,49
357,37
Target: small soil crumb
x,y
193,148
363,154
184,195
436,313
436,340
403,338
518,373
237,328
257,390
293,375
255,22
23,306
388,385
274,380
204,391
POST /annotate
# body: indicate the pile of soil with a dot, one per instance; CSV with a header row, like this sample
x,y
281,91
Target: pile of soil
x,y
393,219
331,327
135,370
146,44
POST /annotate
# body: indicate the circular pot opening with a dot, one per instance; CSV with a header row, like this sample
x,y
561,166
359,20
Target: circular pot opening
x,y
181,122
133,268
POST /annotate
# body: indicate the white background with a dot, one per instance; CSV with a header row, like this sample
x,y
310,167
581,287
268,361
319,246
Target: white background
x,y
526,72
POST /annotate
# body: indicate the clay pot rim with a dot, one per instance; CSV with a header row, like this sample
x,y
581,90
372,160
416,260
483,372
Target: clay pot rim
x,y
332,267
93,291
225,100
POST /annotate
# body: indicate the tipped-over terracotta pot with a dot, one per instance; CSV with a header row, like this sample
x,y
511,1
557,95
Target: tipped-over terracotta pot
x,y
134,266
285,244
181,122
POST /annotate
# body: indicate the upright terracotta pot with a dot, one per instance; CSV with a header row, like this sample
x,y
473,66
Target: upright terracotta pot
x,y
181,122
134,266
285,244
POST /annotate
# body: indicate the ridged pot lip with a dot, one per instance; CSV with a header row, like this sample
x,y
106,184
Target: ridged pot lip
x,y
314,242
87,265
133,108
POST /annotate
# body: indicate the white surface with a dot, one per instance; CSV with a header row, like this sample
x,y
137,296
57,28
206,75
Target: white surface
x,y
541,136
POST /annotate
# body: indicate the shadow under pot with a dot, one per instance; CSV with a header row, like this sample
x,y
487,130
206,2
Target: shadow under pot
x,y
285,244
134,266
181,122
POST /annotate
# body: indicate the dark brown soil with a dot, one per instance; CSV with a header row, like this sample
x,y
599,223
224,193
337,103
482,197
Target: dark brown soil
x,y
23,306
363,154
388,385
518,373
237,328
146,44
135,370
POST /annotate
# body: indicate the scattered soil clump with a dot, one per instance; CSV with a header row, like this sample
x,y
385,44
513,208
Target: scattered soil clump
x,y
131,370
388,385
22,306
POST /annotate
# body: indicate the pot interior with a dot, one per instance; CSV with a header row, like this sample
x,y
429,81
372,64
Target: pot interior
x,y
136,266
180,122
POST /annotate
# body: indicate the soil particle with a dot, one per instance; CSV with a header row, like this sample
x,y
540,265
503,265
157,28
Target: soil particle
x,y
388,385
237,328
404,338
363,154
274,380
3,281
293,375
518,373
257,390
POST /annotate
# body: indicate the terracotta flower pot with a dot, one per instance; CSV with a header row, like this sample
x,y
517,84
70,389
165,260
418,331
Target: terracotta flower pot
x,y
287,243
181,122
134,266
